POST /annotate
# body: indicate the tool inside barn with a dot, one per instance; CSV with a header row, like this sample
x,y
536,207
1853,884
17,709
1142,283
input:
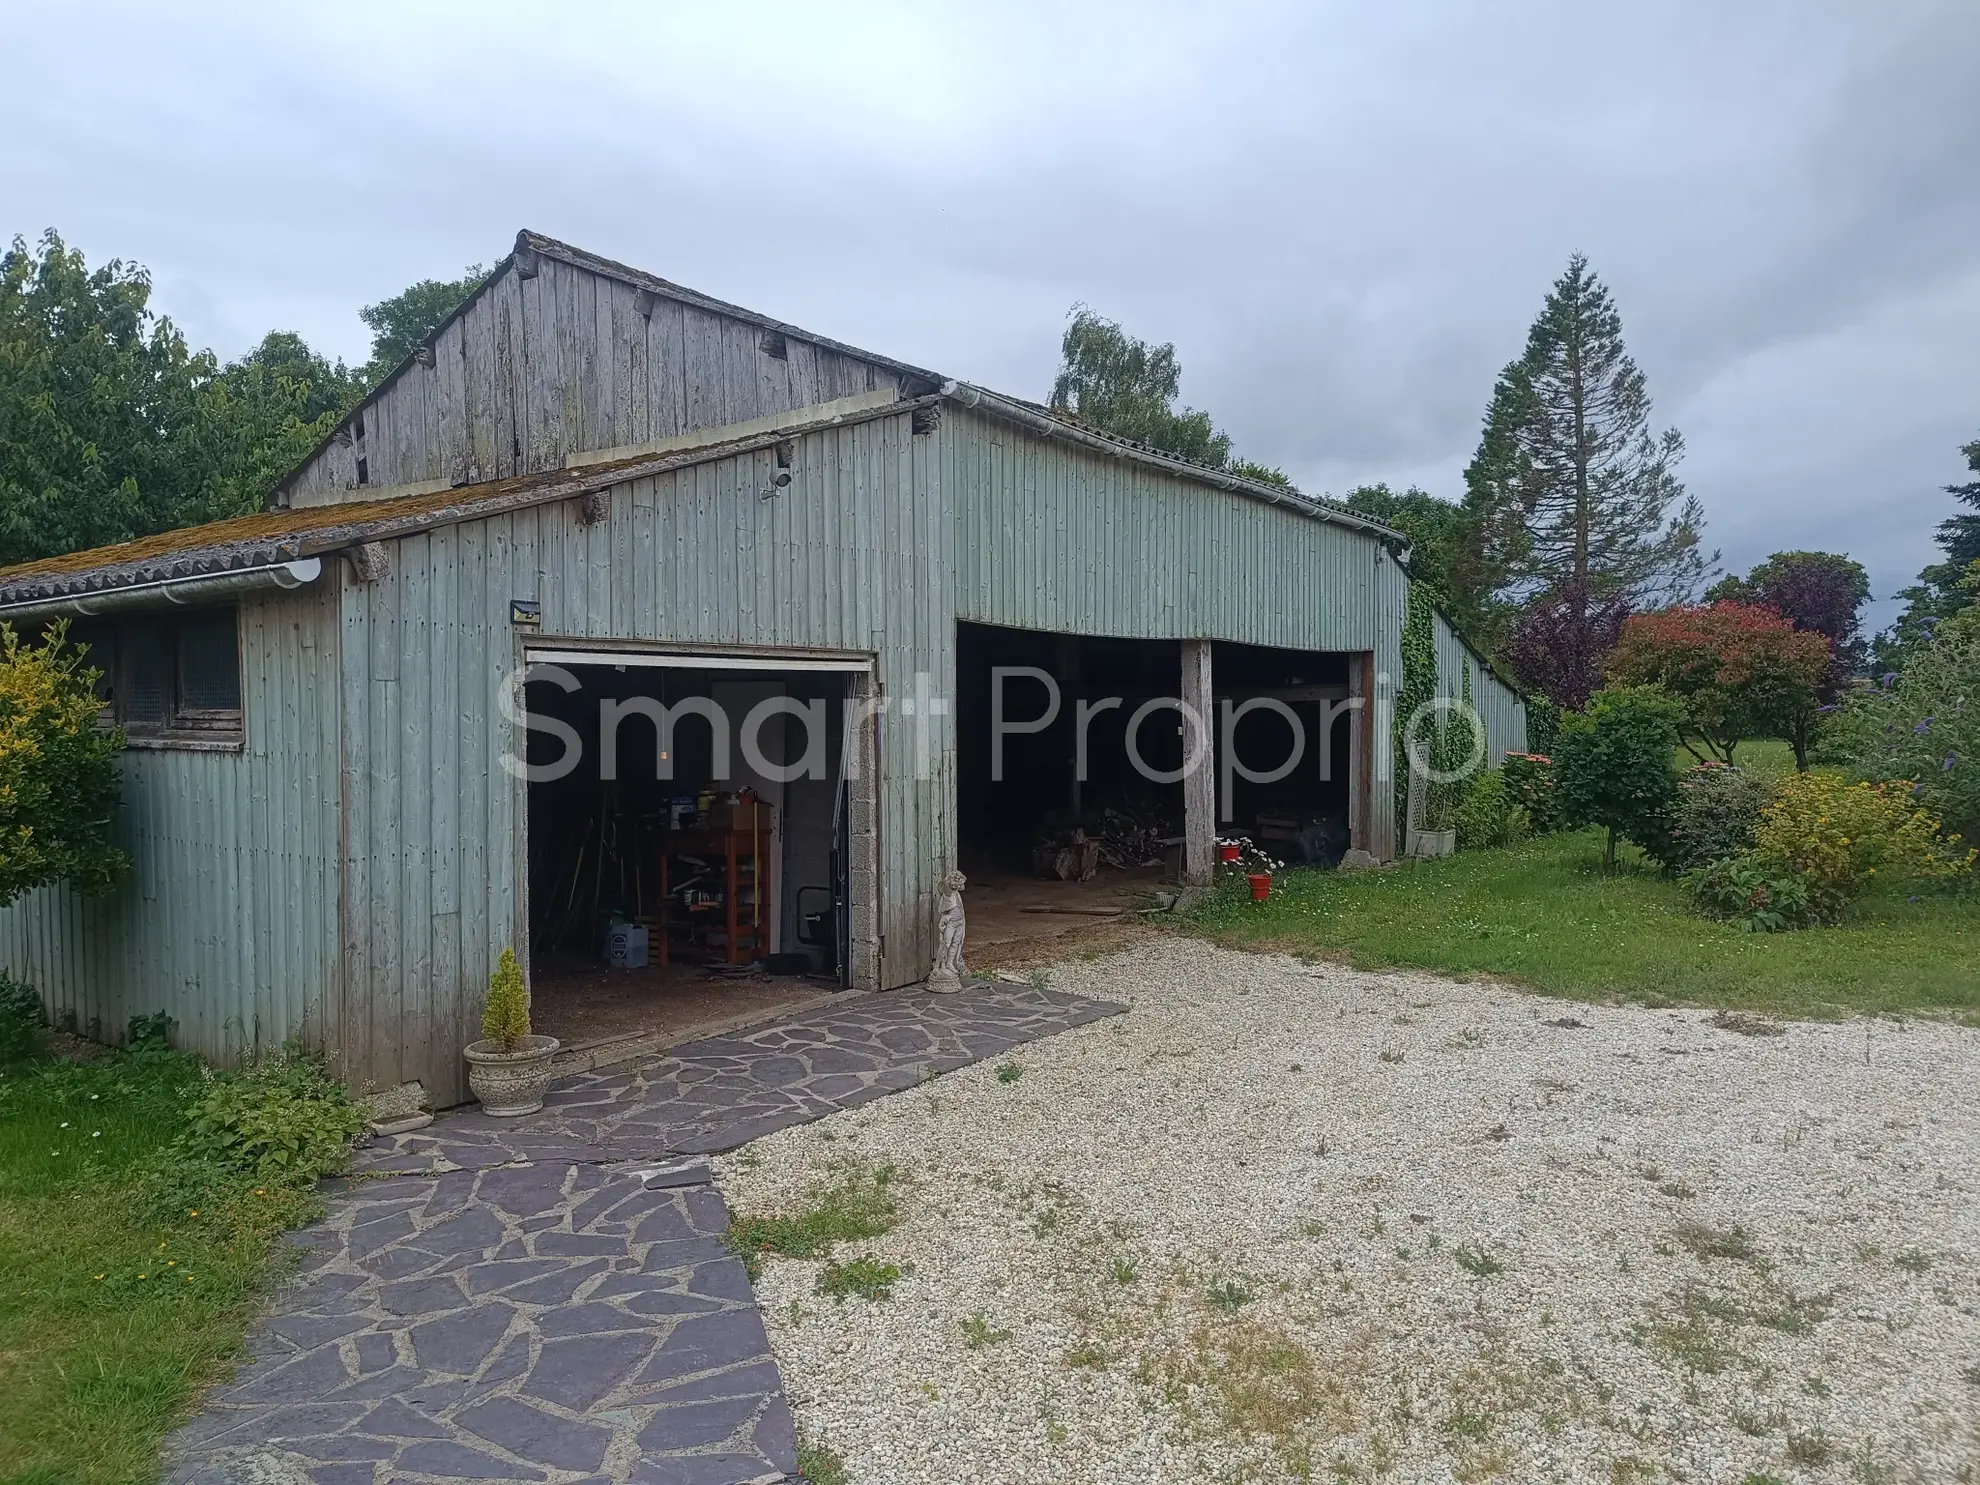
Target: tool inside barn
x,y
699,810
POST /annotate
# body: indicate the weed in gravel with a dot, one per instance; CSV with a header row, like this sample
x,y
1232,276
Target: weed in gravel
x,y
1048,1221
1814,1448
861,1203
1797,1314
1476,1261
868,1278
1392,1054
1009,1072
1676,1190
1247,1384
1817,1386
1971,1376
1758,1425
1089,1354
1472,1426
1040,979
1913,1260
1467,1040
1745,1023
978,1332
1703,1240
1230,1296
1695,1336
1763,1480
1630,1470
820,1463
1126,1271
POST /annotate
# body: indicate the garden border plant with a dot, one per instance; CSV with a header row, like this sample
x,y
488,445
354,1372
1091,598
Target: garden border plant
x,y
142,1197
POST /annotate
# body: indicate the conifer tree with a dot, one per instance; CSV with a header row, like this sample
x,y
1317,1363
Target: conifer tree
x,y
1571,497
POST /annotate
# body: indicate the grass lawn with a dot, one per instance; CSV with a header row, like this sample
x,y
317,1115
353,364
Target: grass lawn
x,y
1768,756
1543,914
127,1276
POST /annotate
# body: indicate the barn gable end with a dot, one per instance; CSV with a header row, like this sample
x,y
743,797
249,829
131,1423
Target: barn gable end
x,y
561,355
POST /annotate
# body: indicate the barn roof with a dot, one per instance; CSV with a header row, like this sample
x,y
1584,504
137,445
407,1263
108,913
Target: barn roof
x,y
284,535
916,379
276,536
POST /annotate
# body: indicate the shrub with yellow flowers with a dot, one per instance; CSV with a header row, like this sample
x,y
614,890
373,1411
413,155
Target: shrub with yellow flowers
x,y
1845,837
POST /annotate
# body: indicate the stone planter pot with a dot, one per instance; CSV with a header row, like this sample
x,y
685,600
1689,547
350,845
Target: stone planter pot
x,y
511,1083
1431,843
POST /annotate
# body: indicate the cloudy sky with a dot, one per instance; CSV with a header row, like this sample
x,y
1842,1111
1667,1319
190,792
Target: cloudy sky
x,y
1344,216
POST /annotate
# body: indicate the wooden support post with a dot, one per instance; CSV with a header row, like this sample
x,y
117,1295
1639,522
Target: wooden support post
x,y
1200,783
1360,757
1067,660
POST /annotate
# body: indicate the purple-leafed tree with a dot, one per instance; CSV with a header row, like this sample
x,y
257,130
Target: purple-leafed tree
x,y
1560,643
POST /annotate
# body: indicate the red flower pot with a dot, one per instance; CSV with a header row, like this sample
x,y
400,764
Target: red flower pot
x,y
1228,854
1261,886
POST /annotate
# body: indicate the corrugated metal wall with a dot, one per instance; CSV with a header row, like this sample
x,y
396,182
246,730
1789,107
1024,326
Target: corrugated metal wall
x,y
1497,704
1051,536
539,368
228,918
847,557
246,891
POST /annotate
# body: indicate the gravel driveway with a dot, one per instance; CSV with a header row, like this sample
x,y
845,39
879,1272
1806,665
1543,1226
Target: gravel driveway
x,y
1290,1221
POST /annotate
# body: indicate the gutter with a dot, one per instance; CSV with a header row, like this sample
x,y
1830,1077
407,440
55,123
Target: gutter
x,y
1046,426
185,590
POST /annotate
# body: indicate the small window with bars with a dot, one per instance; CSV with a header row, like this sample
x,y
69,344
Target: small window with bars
x,y
168,678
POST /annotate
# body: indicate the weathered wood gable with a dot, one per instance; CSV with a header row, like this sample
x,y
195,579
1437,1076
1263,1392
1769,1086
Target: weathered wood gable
x,y
560,355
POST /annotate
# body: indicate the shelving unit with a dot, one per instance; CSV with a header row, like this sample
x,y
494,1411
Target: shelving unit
x,y
739,836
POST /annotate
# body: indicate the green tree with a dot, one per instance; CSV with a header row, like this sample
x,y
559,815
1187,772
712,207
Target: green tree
x,y
112,428
320,387
400,323
1921,725
106,418
1437,533
1128,388
1615,765
58,770
1570,491
1265,474
1944,588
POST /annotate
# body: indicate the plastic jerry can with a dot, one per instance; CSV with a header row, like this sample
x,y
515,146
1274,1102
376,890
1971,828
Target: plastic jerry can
x,y
625,945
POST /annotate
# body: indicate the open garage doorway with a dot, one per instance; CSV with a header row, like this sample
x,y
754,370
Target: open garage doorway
x,y
1070,750
687,842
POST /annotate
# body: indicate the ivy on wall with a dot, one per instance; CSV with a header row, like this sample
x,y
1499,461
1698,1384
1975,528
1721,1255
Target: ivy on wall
x,y
1418,685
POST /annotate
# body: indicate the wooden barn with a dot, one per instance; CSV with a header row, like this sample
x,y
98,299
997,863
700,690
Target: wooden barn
x,y
615,607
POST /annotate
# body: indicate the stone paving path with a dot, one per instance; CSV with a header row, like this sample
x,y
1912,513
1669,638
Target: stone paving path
x,y
549,1299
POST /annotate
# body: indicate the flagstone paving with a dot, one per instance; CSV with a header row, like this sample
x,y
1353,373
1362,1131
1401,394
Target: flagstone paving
x,y
549,1299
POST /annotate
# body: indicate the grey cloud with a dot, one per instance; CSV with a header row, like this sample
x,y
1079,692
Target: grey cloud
x,y
1344,216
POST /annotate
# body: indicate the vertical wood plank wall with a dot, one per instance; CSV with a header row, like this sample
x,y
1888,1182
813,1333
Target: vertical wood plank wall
x,y
227,920
853,555
539,368
1053,537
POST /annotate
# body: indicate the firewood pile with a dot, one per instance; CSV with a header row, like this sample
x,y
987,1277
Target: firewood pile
x,y
1122,838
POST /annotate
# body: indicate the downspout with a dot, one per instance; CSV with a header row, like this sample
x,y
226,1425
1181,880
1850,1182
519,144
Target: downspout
x,y
185,590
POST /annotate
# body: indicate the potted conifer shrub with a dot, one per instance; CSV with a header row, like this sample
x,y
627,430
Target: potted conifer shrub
x,y
509,1069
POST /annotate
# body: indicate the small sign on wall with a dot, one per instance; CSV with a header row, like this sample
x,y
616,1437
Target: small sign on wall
x,y
525,613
